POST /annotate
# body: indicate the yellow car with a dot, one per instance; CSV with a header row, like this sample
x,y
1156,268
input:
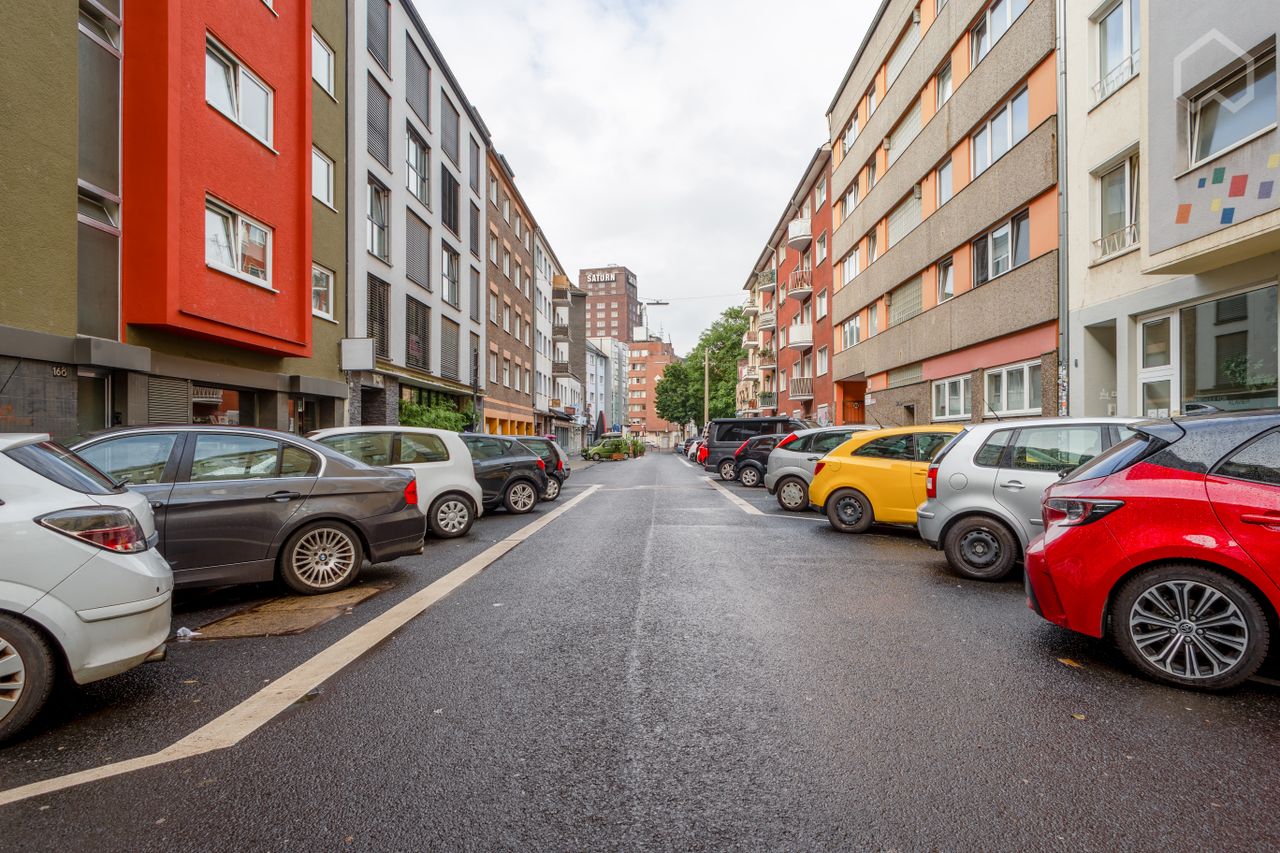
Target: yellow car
x,y
877,476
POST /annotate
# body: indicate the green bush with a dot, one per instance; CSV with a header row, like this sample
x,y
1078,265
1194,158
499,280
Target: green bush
x,y
436,416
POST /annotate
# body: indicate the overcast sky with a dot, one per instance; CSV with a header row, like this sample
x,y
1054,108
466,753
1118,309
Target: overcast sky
x,y
666,135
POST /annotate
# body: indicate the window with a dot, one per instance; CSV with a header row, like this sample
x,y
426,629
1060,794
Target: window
x,y
378,30
952,398
821,251
506,262
417,334
418,448
236,244
321,292
906,130
449,189
851,332
506,317
850,133
506,372
821,301
1003,248
992,24
871,100
417,250
475,165
929,443
518,225
902,220
234,91
820,194
506,210
474,233
905,301
889,447
821,362
450,343
946,280
322,62
942,90
417,81
418,157
1225,115
1055,449
321,177
138,460
1118,193
493,367
234,457
1014,390
944,182
449,275
450,132
871,173
851,265
475,294
376,239
1006,127
1119,38
493,190
493,308
902,52
871,248
1256,461
378,121
493,248
1228,350
379,310
873,319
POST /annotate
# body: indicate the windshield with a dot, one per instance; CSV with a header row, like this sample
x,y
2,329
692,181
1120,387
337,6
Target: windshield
x,y
56,463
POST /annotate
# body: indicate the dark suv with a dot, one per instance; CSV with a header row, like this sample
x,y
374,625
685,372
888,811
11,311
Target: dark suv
x,y
509,473
554,457
725,435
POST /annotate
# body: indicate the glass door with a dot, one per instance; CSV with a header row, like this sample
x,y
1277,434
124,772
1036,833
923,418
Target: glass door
x,y
1157,377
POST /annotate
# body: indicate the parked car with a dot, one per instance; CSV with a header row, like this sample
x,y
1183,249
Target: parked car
x,y
1167,545
789,467
510,475
984,487
723,436
694,447
752,458
607,448
244,505
82,589
556,460
448,493
877,476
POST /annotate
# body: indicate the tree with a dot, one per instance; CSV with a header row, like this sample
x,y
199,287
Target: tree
x,y
438,415
679,392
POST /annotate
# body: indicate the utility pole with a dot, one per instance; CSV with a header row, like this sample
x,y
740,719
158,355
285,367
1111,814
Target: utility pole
x,y
706,386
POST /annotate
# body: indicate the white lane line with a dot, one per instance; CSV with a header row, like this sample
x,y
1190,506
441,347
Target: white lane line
x,y
253,713
742,505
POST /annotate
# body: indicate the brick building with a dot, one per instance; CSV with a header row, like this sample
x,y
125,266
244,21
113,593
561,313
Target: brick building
x,y
508,405
613,302
648,360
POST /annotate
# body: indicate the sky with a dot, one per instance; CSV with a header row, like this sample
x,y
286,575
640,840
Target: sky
x,y
664,135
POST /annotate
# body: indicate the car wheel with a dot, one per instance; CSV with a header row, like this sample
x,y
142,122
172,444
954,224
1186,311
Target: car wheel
x,y
451,516
320,557
520,497
553,489
1190,627
26,675
849,511
727,469
793,494
749,477
980,548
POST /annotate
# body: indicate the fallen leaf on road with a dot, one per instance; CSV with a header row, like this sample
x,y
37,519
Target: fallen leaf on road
x,y
191,681
1078,716
1069,662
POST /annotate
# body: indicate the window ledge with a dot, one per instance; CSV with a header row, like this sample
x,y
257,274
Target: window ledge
x,y
248,279
1257,134
245,130
1127,250
318,316
326,204
951,418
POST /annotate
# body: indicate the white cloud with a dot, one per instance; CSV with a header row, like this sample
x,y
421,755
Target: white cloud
x,y
666,135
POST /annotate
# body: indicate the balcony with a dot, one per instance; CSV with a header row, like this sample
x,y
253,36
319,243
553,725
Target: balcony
x,y
766,360
799,234
750,372
1115,242
800,336
766,281
561,289
801,388
768,399
751,340
560,330
768,320
751,309
800,285
560,369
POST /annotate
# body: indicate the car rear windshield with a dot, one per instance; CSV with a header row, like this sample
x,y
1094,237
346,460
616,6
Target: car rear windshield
x,y
1120,456
56,463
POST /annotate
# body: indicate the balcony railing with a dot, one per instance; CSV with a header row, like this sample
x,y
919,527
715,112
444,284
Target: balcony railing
x,y
768,399
1116,241
800,284
750,372
766,281
768,320
766,360
560,368
751,340
801,388
800,233
1116,77
751,309
800,336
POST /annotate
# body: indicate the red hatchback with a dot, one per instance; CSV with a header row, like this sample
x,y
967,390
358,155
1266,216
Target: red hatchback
x,y
1169,544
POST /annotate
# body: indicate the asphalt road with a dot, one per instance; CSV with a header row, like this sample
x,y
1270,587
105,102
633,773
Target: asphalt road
x,y
661,668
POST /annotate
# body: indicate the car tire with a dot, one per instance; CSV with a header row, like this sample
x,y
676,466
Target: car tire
x,y
749,477
27,673
323,556
849,511
553,489
727,469
980,548
1167,644
520,497
793,494
451,516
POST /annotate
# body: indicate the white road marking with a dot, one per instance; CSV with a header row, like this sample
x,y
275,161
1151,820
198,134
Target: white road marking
x,y
253,713
752,509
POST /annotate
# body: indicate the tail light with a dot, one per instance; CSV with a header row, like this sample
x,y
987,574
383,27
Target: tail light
x,y
542,466
1071,512
411,492
741,447
559,464
817,469
931,483
109,528
787,440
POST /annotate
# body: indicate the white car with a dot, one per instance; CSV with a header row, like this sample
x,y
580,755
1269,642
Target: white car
x,y
448,493
82,587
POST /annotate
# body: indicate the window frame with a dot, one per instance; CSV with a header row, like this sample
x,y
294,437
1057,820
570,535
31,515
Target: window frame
x,y
938,183
237,219
384,194
948,264
987,130
414,139
223,55
1196,102
1003,372
965,381
331,276
318,40
317,153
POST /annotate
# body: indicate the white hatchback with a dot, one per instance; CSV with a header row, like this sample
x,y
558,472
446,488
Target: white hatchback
x,y
448,493
82,587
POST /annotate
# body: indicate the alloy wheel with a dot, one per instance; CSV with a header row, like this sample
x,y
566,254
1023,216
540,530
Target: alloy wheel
x,y
726,470
553,488
324,557
522,497
749,477
793,494
1188,629
980,548
13,678
453,516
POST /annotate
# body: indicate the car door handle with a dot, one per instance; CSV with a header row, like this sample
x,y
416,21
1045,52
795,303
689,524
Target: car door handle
x,y
157,504
815,458
281,497
1270,519
1015,485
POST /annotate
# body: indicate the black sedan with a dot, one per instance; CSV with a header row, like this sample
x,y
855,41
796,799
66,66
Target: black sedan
x,y
509,473
751,460
243,505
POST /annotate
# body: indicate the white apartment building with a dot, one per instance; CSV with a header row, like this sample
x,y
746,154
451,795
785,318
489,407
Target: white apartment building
x,y
615,403
545,267
597,386
417,154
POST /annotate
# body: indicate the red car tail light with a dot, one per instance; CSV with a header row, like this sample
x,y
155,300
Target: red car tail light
x,y
559,464
1072,512
542,466
817,469
792,437
741,447
931,483
411,492
109,528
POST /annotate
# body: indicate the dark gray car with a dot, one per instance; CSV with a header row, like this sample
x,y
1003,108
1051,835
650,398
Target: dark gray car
x,y
242,505
509,473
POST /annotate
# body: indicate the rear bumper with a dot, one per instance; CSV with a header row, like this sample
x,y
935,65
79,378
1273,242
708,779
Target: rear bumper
x,y
106,646
931,520
396,535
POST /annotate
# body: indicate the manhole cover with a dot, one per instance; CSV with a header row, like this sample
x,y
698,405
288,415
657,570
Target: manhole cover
x,y
291,615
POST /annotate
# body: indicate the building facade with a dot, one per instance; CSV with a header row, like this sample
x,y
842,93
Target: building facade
x,y
417,230
648,360
613,302
545,268
1174,237
508,405
945,244
568,363
614,405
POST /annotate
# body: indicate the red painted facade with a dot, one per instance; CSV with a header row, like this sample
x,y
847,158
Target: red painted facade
x,y
179,149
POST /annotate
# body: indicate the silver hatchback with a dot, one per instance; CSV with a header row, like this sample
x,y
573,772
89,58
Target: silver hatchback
x,y
790,469
985,486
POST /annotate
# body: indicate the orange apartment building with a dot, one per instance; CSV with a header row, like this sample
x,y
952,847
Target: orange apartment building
x,y
648,359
